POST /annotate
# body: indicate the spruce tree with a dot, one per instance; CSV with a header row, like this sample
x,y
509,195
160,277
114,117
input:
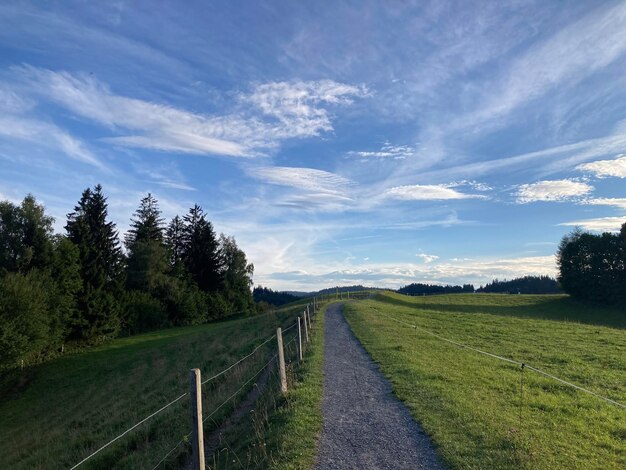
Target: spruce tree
x,y
175,241
147,223
201,253
101,264
147,254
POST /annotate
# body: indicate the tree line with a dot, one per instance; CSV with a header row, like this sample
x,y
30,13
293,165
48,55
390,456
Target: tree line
x,y
82,287
519,285
523,285
593,267
267,297
417,288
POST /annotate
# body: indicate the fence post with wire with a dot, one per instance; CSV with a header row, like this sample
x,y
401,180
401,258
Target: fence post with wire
x,y
196,434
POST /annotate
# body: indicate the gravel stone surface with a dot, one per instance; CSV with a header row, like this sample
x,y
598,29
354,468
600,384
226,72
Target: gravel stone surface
x,y
365,425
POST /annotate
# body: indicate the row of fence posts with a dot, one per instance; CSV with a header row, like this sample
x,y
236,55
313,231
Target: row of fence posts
x,y
195,385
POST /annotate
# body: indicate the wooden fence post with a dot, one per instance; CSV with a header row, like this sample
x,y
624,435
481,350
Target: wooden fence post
x,y
306,327
300,355
308,315
197,434
281,361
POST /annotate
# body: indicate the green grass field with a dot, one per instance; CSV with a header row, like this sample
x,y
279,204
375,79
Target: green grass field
x,y
481,412
55,414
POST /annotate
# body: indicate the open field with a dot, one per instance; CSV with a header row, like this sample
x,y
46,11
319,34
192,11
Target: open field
x,y
486,413
55,414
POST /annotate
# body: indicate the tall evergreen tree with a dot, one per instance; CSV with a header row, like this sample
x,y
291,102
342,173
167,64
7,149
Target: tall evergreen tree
x,y
237,275
175,241
147,254
201,250
101,263
147,223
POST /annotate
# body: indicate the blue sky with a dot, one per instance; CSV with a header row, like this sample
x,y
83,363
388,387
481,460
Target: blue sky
x,y
339,142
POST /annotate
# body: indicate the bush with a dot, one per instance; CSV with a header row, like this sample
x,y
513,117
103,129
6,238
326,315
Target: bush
x,y
218,307
24,319
144,313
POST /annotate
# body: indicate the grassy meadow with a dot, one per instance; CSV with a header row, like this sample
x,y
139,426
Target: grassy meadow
x,y
485,413
55,414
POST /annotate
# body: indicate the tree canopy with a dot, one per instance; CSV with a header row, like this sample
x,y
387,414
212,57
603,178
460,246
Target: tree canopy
x,y
82,287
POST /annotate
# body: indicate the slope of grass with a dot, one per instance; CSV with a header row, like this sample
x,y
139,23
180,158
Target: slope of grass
x,y
484,413
55,414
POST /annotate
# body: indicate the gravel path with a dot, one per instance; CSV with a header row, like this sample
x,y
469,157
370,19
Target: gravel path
x,y
365,425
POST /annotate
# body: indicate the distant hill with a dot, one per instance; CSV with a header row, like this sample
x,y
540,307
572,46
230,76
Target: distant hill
x,y
523,285
331,290
297,293
429,289
263,294
356,288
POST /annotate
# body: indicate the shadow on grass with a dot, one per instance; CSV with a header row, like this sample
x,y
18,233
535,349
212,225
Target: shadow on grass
x,y
543,307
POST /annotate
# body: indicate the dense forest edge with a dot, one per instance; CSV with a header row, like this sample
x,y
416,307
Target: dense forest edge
x,y
72,290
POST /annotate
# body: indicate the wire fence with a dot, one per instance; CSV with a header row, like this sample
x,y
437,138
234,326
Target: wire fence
x,y
522,365
289,346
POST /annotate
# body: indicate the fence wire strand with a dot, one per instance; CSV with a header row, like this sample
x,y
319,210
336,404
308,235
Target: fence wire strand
x,y
240,388
170,404
239,361
506,359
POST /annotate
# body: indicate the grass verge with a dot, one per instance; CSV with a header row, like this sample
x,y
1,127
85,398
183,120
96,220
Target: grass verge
x,y
282,432
484,413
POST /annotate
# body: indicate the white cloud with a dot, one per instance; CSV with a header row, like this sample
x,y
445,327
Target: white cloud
x,y
607,201
427,258
556,190
297,110
604,168
602,224
396,152
548,161
11,102
47,135
394,275
297,104
427,192
573,53
306,179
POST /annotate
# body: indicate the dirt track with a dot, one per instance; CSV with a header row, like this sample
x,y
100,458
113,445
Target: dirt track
x,y
365,425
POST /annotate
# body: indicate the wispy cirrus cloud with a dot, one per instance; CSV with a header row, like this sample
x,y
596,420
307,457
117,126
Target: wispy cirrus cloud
x,y
388,150
280,111
600,224
308,179
427,192
573,53
48,135
546,161
605,168
554,191
607,201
